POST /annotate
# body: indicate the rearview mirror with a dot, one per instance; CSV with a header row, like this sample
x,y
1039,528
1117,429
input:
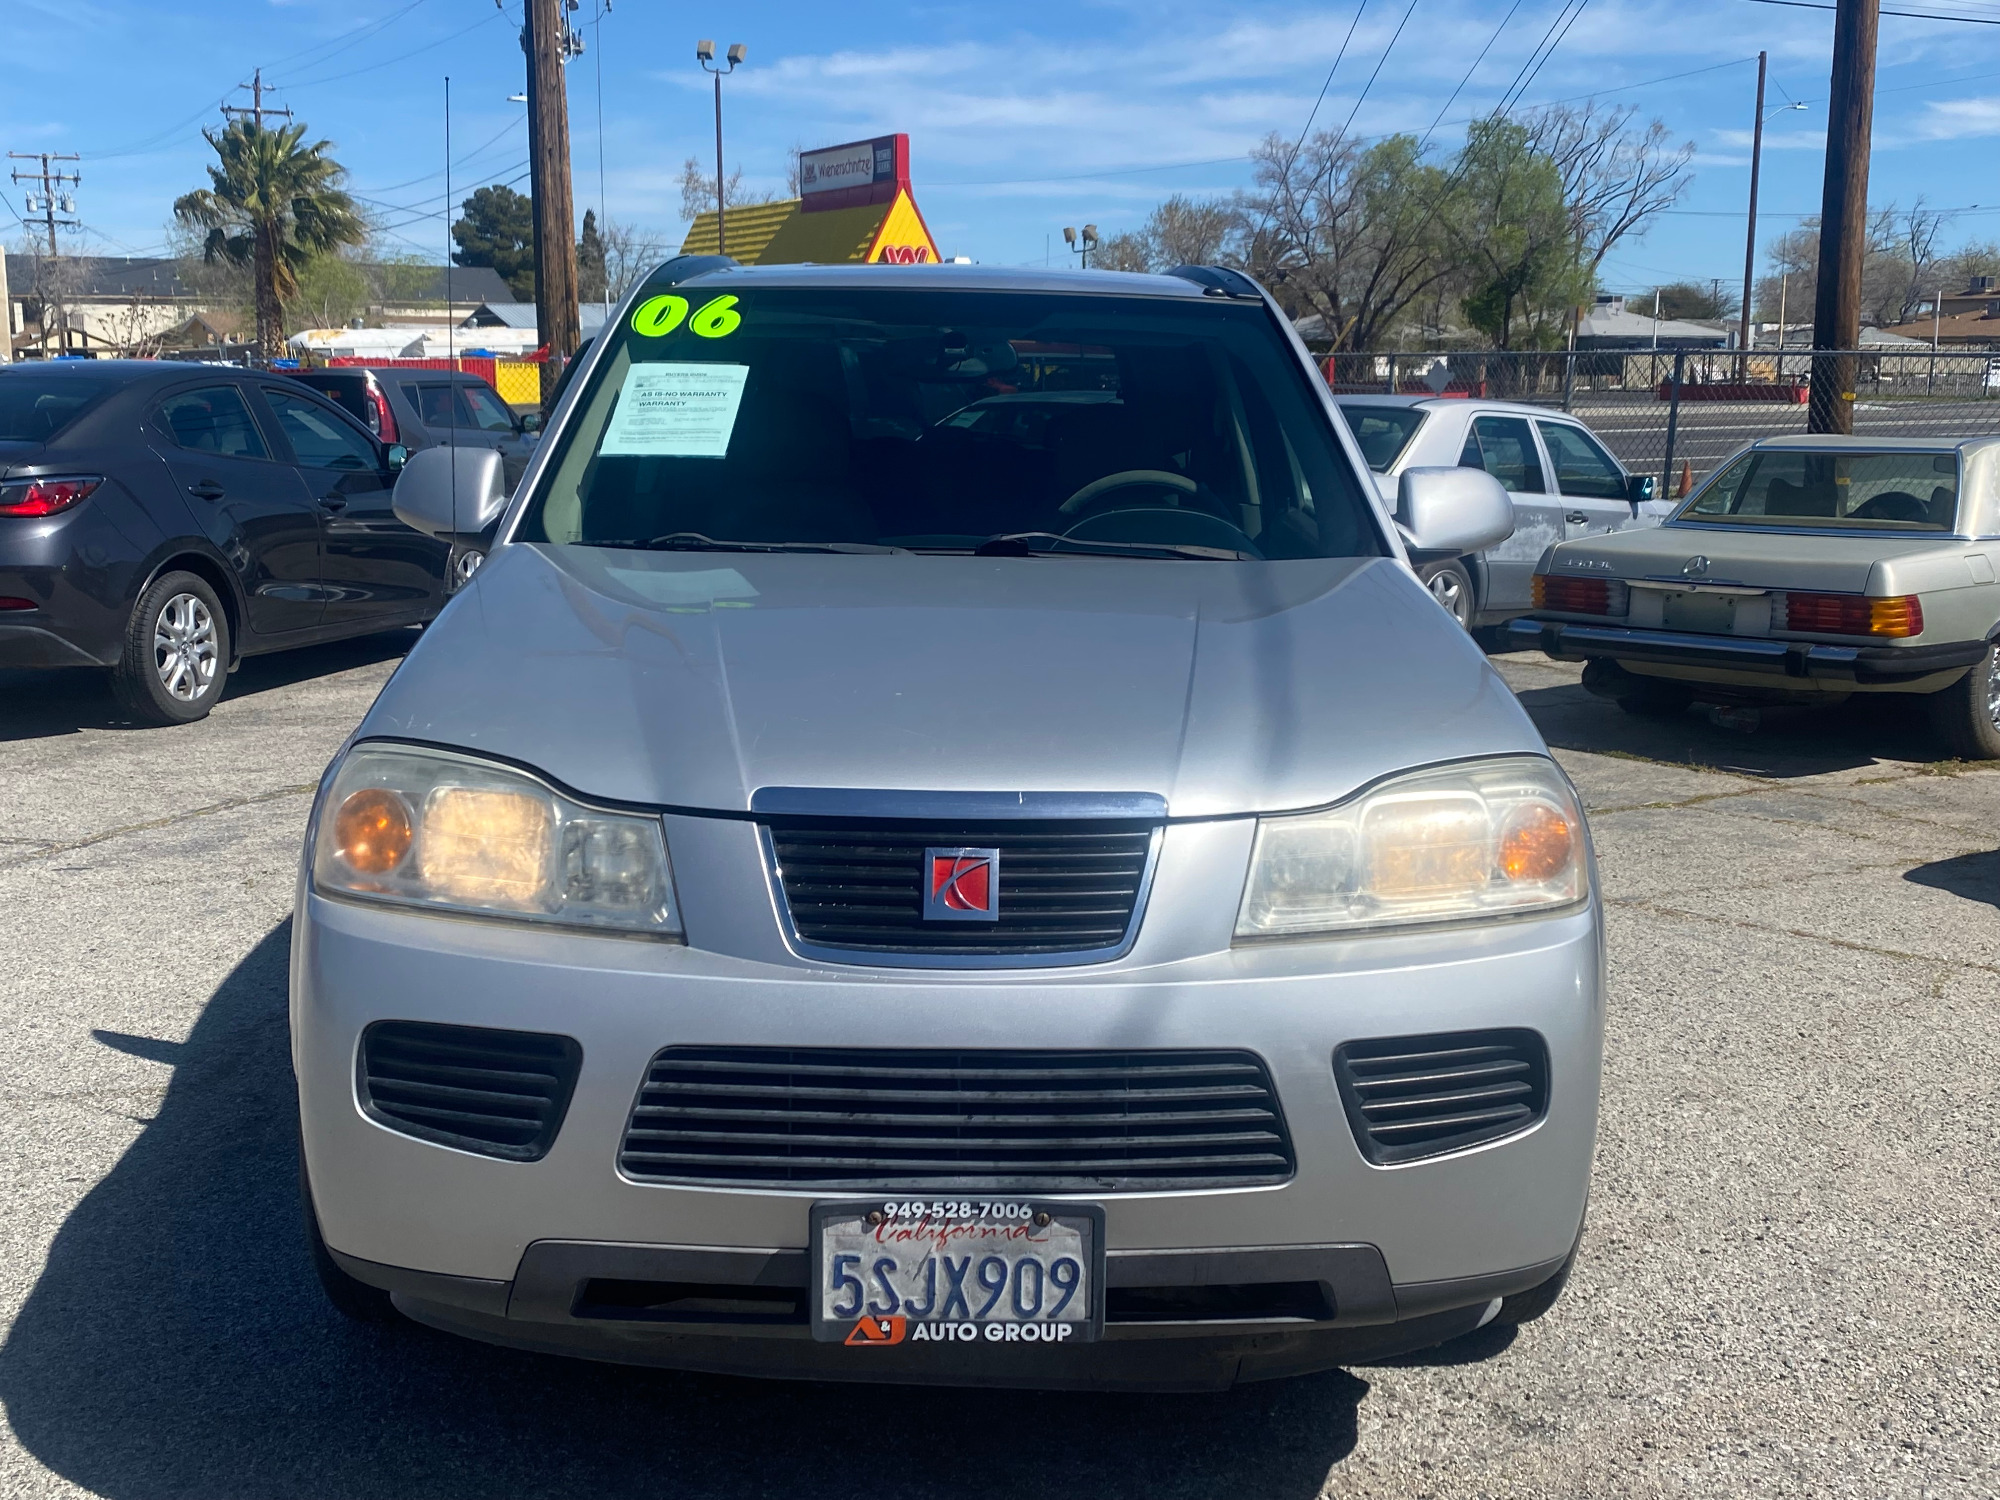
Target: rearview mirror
x,y
1450,512
446,492
1639,488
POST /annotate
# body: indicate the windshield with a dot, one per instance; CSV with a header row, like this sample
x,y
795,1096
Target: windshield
x,y
1381,432
34,407
1846,491
944,421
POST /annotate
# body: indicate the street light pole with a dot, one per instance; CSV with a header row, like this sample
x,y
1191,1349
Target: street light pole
x,y
1750,236
1089,242
704,52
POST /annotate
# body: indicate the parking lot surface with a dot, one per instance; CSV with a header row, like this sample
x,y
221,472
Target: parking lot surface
x,y
1788,1285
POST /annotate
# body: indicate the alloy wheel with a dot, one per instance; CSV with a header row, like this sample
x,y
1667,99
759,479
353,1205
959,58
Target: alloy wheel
x,y
1993,687
184,647
1446,588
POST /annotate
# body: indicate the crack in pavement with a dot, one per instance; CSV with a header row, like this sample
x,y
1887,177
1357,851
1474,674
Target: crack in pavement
x,y
1744,924
227,805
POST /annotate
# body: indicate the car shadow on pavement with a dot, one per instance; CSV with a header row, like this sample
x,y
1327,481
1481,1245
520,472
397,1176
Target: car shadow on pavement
x,y
1973,876
176,1344
1780,743
40,704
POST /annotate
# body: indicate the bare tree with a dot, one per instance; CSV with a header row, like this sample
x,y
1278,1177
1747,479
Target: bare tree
x,y
1917,253
629,253
1355,236
1616,178
1130,251
1180,232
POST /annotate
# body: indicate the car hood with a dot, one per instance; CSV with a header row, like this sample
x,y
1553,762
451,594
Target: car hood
x,y
694,680
1873,562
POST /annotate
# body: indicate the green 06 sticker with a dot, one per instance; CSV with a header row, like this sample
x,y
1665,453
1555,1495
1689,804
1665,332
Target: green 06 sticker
x,y
657,317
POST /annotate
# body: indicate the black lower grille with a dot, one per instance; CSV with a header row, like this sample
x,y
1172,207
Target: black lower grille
x,y
873,1119
1065,886
1409,1097
500,1093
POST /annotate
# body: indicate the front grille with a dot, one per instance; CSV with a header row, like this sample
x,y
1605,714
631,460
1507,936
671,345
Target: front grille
x,y
1065,886
1410,1097
500,1093
873,1119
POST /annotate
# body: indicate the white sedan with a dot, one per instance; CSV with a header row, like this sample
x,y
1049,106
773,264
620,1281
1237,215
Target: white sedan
x,y
1563,482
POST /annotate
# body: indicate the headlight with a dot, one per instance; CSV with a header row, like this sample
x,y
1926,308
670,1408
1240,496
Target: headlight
x,y
429,828
1480,839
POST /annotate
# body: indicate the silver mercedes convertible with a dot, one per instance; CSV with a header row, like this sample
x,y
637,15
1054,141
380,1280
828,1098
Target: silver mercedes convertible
x,y
946,843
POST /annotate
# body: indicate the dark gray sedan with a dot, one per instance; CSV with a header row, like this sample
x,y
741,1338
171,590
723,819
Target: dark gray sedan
x,y
164,520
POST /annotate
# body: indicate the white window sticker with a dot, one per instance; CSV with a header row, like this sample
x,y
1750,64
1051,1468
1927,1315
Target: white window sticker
x,y
676,411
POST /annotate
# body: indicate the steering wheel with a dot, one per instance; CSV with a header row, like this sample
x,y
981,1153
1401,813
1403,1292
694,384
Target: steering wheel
x,y
1129,479
1892,505
1167,527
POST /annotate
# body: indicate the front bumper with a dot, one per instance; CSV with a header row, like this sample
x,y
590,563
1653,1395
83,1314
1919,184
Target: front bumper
x,y
1572,641
1407,1255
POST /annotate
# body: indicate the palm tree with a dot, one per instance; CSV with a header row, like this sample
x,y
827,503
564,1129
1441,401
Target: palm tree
x,y
274,205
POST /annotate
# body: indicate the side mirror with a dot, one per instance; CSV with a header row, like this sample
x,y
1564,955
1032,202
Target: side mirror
x,y
446,492
396,455
1639,488
531,421
1451,512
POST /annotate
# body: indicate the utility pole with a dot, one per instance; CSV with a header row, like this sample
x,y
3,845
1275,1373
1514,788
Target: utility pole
x,y
549,44
1843,224
1750,235
52,199
256,109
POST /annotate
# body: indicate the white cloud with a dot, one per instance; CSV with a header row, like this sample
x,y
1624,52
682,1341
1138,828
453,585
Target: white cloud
x,y
1959,119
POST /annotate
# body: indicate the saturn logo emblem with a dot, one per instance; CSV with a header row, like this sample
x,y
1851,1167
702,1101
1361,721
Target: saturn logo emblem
x,y
1694,567
962,885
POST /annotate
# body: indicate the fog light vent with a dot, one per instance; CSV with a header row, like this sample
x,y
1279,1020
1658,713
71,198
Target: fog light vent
x,y
1410,1097
499,1093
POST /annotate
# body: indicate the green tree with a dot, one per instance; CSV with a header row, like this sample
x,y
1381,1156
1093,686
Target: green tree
x,y
590,267
497,229
274,204
1524,262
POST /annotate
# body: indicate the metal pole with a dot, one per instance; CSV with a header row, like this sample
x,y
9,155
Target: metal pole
x,y
1750,236
1673,424
721,244
1392,374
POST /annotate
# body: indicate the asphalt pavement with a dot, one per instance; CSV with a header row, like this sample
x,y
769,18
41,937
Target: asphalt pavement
x,y
1789,1283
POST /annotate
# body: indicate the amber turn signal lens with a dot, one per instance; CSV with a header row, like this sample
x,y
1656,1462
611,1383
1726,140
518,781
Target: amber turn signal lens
x,y
1537,845
371,832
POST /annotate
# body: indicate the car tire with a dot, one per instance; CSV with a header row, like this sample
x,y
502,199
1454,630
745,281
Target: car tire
x,y
176,655
350,1298
1451,585
1966,715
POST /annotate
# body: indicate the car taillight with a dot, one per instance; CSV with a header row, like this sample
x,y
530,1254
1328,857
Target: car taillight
x,y
1848,614
1581,596
8,602
385,420
43,497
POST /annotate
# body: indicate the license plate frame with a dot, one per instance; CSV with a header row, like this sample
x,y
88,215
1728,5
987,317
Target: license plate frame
x,y
1084,1219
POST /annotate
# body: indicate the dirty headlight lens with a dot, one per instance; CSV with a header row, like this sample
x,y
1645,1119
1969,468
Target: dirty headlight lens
x,y
1481,839
453,833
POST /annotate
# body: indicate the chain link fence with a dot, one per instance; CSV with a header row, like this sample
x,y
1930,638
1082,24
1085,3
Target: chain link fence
x,y
1678,414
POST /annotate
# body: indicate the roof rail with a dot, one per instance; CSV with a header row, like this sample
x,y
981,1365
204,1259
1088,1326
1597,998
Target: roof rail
x,y
1219,281
687,267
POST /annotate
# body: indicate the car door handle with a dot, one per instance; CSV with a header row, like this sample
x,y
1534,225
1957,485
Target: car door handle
x,y
207,489
333,502
1577,518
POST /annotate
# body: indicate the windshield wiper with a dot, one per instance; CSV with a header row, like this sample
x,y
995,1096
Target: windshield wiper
x,y
695,541
1048,543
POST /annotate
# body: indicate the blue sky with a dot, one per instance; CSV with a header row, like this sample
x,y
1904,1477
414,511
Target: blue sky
x,y
1022,118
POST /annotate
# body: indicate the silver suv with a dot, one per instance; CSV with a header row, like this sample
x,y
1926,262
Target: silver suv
x,y
947,844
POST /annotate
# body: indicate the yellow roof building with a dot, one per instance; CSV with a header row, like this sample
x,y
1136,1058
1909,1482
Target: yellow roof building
x,y
854,206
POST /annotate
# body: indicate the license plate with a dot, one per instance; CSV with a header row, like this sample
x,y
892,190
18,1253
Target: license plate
x,y
957,1271
1711,613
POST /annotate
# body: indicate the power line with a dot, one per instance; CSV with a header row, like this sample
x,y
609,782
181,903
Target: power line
x,y
1915,15
392,187
1504,20
1337,56
402,56
1542,50
1370,84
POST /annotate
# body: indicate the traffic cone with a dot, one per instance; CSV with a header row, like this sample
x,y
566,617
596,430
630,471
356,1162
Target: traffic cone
x,y
1687,480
